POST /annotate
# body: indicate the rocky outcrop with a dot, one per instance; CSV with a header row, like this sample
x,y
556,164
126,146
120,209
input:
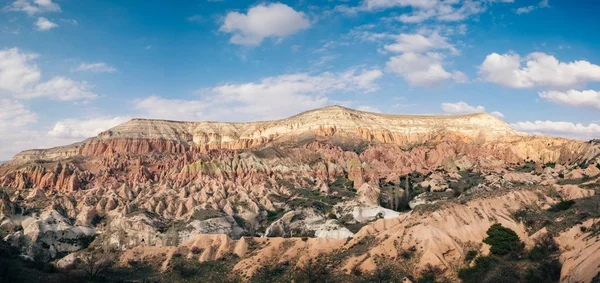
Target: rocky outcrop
x,y
48,235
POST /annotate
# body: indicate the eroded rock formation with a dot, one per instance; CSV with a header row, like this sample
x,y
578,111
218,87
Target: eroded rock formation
x,y
319,181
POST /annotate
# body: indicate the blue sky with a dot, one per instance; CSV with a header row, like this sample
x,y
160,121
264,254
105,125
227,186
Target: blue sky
x,y
70,69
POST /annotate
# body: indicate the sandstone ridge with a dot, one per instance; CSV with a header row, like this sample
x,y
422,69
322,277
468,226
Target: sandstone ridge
x,y
146,135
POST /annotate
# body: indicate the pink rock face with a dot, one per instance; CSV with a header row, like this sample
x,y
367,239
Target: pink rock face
x,y
228,178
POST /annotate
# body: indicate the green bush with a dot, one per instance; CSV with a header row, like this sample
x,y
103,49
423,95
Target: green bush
x,y
470,255
271,273
547,271
562,205
503,241
482,266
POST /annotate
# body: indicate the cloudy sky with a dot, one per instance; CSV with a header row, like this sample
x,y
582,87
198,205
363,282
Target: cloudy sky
x,y
70,69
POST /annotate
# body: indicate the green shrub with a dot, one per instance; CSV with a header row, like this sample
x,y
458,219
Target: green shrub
x,y
562,205
482,266
270,273
547,271
470,255
503,241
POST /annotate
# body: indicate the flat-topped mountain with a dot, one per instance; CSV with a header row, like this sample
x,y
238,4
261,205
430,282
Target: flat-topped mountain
x,y
332,118
144,135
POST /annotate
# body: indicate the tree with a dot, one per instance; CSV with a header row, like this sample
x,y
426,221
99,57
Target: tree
x,y
94,263
503,241
319,269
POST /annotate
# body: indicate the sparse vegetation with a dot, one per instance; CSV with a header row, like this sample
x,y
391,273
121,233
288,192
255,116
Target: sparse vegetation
x,y
541,264
562,205
527,167
570,212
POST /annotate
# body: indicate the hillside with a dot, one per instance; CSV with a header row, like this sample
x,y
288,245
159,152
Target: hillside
x,y
351,186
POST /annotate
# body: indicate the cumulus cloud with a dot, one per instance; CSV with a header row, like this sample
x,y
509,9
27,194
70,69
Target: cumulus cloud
x,y
95,67
419,69
420,43
21,78
17,70
270,98
32,7
43,24
464,108
263,21
461,108
81,129
418,64
563,129
61,88
536,70
460,77
585,98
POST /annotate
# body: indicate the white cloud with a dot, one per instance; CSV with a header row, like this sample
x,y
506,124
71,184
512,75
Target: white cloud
x,y
585,98
539,69
43,24
81,129
170,109
20,78
385,4
95,67
16,70
14,114
262,21
497,114
419,69
14,119
460,77
564,129
461,108
369,109
525,10
417,64
270,98
528,9
464,108
33,7
422,10
276,97
420,43
70,21
61,88
365,80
